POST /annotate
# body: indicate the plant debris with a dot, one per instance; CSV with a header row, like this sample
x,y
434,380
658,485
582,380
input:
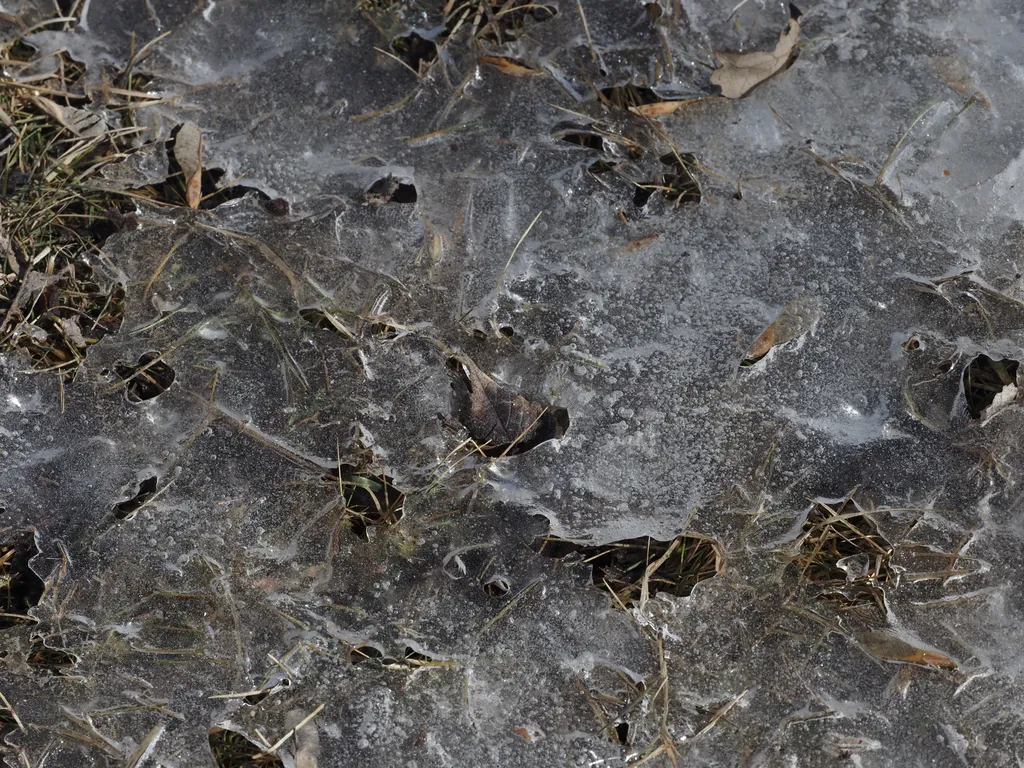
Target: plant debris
x,y
188,152
741,72
510,66
497,586
500,421
678,183
53,660
357,654
885,646
989,384
126,510
498,21
149,379
842,552
417,52
795,319
231,749
56,296
614,147
638,99
368,499
20,587
632,567
191,185
389,190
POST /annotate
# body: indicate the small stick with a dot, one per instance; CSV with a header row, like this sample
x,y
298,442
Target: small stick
x,y
283,739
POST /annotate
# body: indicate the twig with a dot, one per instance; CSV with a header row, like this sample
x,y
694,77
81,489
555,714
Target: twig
x,y
283,739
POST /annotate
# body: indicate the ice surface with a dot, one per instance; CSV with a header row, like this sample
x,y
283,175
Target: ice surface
x,y
855,183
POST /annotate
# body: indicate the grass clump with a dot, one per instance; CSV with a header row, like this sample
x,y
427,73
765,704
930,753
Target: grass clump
x,y
20,587
632,569
842,552
56,134
233,750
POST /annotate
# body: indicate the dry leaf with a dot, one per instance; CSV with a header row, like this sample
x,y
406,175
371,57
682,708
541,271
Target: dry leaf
x,y
795,319
73,332
761,346
510,66
660,108
954,72
636,245
500,421
887,647
188,151
741,72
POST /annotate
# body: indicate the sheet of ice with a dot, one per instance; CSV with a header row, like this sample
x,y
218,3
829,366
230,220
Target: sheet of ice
x,y
819,186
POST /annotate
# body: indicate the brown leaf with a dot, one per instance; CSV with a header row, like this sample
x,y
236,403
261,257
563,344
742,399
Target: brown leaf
x,y
660,108
742,72
887,647
954,72
188,151
501,421
795,319
510,66
80,122
761,346
636,245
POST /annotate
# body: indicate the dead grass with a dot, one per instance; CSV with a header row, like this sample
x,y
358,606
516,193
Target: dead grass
x,y
842,552
233,750
633,569
20,587
55,138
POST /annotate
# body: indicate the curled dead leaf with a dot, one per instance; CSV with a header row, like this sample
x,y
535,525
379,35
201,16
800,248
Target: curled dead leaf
x,y
795,319
510,66
740,72
887,647
501,421
188,151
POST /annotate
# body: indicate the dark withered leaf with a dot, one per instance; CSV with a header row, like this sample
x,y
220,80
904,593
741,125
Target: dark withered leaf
x,y
500,420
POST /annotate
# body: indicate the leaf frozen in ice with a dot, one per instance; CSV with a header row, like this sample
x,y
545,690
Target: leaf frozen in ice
x,y
188,151
741,72
501,421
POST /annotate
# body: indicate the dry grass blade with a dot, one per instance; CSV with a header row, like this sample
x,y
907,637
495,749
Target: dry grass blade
x,y
14,715
280,742
510,66
526,232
